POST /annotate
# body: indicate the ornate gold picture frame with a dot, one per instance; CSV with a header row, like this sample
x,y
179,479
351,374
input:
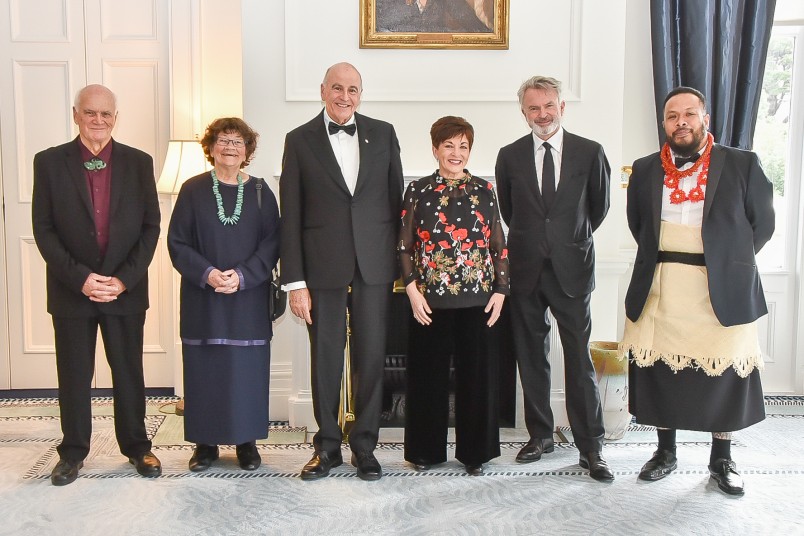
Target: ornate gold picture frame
x,y
466,24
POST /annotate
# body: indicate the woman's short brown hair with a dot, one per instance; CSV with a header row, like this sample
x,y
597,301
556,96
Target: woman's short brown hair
x,y
450,126
233,125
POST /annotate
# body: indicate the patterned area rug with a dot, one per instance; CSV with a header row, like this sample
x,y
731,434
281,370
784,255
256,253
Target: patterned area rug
x,y
552,496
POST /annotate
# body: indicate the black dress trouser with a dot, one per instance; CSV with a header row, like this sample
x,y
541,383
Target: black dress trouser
x,y
75,364
463,335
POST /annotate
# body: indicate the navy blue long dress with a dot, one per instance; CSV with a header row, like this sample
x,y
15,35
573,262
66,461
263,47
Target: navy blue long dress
x,y
225,337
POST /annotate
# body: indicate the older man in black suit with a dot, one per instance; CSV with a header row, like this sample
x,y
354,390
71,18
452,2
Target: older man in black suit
x,y
96,224
341,194
699,212
553,188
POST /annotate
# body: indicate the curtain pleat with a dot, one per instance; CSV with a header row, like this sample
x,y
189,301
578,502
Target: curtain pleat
x,y
719,48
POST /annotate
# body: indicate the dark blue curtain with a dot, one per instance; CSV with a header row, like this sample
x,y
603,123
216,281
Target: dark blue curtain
x,y
719,48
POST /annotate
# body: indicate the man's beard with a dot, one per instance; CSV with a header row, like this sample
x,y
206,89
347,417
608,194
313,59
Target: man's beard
x,y
548,130
688,149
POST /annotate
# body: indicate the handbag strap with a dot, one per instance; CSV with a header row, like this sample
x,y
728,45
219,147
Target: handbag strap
x,y
258,186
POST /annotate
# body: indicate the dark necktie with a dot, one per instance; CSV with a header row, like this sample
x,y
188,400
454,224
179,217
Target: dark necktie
x,y
681,160
548,176
335,127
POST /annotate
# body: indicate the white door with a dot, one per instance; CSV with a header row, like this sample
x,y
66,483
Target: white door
x,y
48,50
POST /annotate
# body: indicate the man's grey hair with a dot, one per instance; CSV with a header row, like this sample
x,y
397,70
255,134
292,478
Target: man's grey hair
x,y
81,92
539,82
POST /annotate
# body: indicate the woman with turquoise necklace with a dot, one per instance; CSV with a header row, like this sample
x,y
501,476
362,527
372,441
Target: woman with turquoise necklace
x,y
224,241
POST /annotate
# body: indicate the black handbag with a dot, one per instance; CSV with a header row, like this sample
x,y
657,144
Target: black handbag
x,y
277,298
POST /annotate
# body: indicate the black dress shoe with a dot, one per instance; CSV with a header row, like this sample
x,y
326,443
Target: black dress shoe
x,y
319,465
533,450
248,457
368,468
420,465
598,468
724,471
474,470
147,464
662,463
202,458
65,472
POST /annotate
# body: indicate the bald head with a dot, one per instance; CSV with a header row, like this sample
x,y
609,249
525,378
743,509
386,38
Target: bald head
x,y
345,67
94,89
340,92
95,113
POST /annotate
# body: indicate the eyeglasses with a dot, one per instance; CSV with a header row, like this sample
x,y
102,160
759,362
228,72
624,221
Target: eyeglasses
x,y
223,142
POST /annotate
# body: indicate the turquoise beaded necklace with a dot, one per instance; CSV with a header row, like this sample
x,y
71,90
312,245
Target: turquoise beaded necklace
x,y
235,217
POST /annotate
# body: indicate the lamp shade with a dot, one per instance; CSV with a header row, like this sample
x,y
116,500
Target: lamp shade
x,y
185,159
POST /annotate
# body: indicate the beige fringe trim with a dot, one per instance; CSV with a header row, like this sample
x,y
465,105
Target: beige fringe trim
x,y
712,366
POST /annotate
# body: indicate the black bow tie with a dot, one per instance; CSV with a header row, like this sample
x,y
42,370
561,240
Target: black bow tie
x,y
681,160
335,127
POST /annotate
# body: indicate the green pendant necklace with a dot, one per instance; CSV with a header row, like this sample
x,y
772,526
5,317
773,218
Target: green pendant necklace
x,y
235,217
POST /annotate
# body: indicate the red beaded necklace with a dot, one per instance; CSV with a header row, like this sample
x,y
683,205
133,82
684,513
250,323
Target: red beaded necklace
x,y
672,176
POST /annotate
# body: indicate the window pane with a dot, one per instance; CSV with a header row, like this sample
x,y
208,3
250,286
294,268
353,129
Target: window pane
x,y
771,140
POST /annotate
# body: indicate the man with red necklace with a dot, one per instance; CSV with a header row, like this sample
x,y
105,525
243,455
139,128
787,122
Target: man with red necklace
x,y
699,212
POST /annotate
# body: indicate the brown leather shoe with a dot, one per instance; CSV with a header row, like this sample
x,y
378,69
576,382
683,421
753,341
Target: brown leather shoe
x,y
147,464
65,472
598,468
533,450
662,463
319,465
724,472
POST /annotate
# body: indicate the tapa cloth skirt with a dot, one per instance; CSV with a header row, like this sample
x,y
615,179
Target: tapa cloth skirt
x,y
688,371
226,392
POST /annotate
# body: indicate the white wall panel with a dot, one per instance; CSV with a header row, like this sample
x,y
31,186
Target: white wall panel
x,y
136,84
43,114
39,21
36,323
126,21
542,32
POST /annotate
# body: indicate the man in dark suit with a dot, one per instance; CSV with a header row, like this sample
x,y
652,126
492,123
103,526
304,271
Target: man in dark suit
x,y
699,212
340,195
96,224
553,188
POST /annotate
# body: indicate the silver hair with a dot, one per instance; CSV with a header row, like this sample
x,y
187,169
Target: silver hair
x,y
83,90
538,82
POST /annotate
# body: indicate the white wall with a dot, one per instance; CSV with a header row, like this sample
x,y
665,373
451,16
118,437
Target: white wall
x,y
285,56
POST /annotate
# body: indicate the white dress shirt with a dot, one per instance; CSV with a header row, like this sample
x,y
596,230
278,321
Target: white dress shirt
x,y
347,152
556,142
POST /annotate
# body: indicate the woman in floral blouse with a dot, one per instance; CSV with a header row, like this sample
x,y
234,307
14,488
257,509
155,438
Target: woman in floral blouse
x,y
455,268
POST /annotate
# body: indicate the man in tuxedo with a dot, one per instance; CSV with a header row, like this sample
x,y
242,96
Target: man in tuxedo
x,y
96,223
340,195
699,212
553,188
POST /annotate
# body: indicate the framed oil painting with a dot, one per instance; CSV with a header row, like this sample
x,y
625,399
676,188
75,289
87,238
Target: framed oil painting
x,y
434,24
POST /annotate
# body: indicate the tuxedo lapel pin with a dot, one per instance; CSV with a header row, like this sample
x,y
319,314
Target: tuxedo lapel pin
x,y
365,140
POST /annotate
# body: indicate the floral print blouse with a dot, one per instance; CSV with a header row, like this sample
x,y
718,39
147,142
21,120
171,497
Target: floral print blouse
x,y
451,241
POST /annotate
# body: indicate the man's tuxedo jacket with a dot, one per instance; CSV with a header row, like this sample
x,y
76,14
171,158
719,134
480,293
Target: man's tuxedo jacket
x,y
326,229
